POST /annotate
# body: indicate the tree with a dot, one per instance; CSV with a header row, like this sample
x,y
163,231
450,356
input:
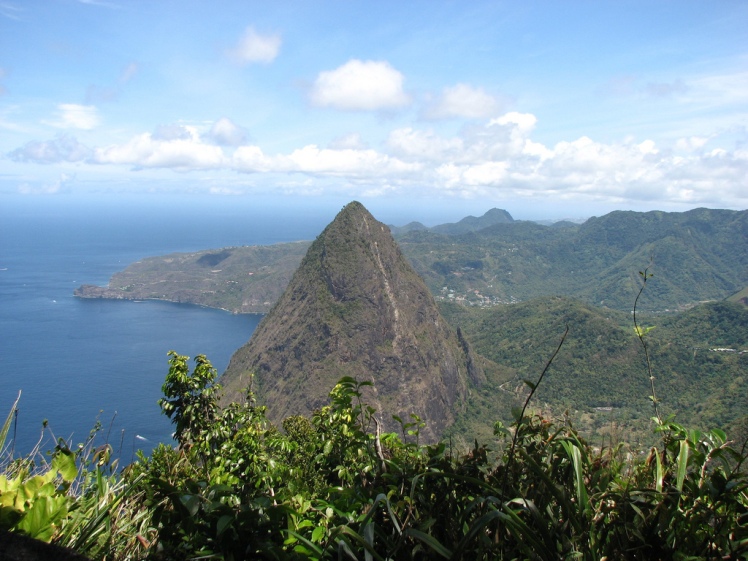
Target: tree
x,y
190,398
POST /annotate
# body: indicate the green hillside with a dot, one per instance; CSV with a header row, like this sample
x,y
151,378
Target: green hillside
x,y
697,256
600,375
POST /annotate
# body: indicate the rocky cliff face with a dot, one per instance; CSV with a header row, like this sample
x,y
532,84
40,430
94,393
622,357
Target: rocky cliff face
x,y
355,307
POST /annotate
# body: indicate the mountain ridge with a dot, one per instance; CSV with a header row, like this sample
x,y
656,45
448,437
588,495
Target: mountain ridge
x,y
698,255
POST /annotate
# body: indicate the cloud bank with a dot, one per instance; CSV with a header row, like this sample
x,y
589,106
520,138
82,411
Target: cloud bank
x,y
495,158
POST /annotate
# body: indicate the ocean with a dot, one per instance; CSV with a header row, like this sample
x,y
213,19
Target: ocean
x,y
79,361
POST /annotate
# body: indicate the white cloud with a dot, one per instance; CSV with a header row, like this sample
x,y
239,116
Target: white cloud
x,y
74,116
48,188
360,86
691,144
173,132
497,158
227,133
225,191
63,148
254,47
463,100
352,141
346,163
413,144
11,11
514,165
149,151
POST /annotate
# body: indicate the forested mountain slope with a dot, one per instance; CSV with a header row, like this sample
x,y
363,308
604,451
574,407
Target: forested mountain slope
x,y
697,256
699,358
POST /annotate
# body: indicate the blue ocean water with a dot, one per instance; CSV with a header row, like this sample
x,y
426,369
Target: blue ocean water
x,y
76,360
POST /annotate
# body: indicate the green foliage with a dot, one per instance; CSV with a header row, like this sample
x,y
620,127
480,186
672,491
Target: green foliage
x,y
190,398
76,499
600,380
37,505
334,487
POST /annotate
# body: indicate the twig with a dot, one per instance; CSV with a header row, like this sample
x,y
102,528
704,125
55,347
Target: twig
x,y
533,389
640,333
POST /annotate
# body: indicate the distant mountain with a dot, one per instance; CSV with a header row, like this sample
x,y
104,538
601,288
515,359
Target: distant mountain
x,y
696,256
410,227
467,224
473,224
355,307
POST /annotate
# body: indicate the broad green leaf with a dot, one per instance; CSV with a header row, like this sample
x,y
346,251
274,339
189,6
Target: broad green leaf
x,y
318,533
64,463
224,522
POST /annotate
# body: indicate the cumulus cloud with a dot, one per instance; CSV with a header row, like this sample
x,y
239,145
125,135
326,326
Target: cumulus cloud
x,y
360,86
352,141
691,144
497,157
180,150
74,116
582,167
463,100
225,132
172,132
412,144
255,47
63,148
348,163
47,188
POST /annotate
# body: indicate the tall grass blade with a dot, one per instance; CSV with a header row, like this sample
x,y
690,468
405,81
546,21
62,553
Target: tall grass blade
x,y
8,421
576,459
430,541
682,464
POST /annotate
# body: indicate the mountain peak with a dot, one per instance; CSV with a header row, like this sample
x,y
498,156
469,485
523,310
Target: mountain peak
x,y
355,307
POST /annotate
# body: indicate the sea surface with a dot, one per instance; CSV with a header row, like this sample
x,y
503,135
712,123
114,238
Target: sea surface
x,y
79,361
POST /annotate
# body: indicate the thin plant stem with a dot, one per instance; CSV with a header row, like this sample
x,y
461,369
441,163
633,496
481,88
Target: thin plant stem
x,y
533,389
640,333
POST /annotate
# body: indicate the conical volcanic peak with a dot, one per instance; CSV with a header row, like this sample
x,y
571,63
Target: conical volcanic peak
x,y
355,307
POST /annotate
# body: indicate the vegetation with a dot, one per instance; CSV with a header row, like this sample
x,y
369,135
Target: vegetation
x,y
247,279
699,255
333,487
597,381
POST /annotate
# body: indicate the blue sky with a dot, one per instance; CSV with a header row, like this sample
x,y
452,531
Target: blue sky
x,y
547,109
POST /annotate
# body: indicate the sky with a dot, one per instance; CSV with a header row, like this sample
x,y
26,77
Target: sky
x,y
547,109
